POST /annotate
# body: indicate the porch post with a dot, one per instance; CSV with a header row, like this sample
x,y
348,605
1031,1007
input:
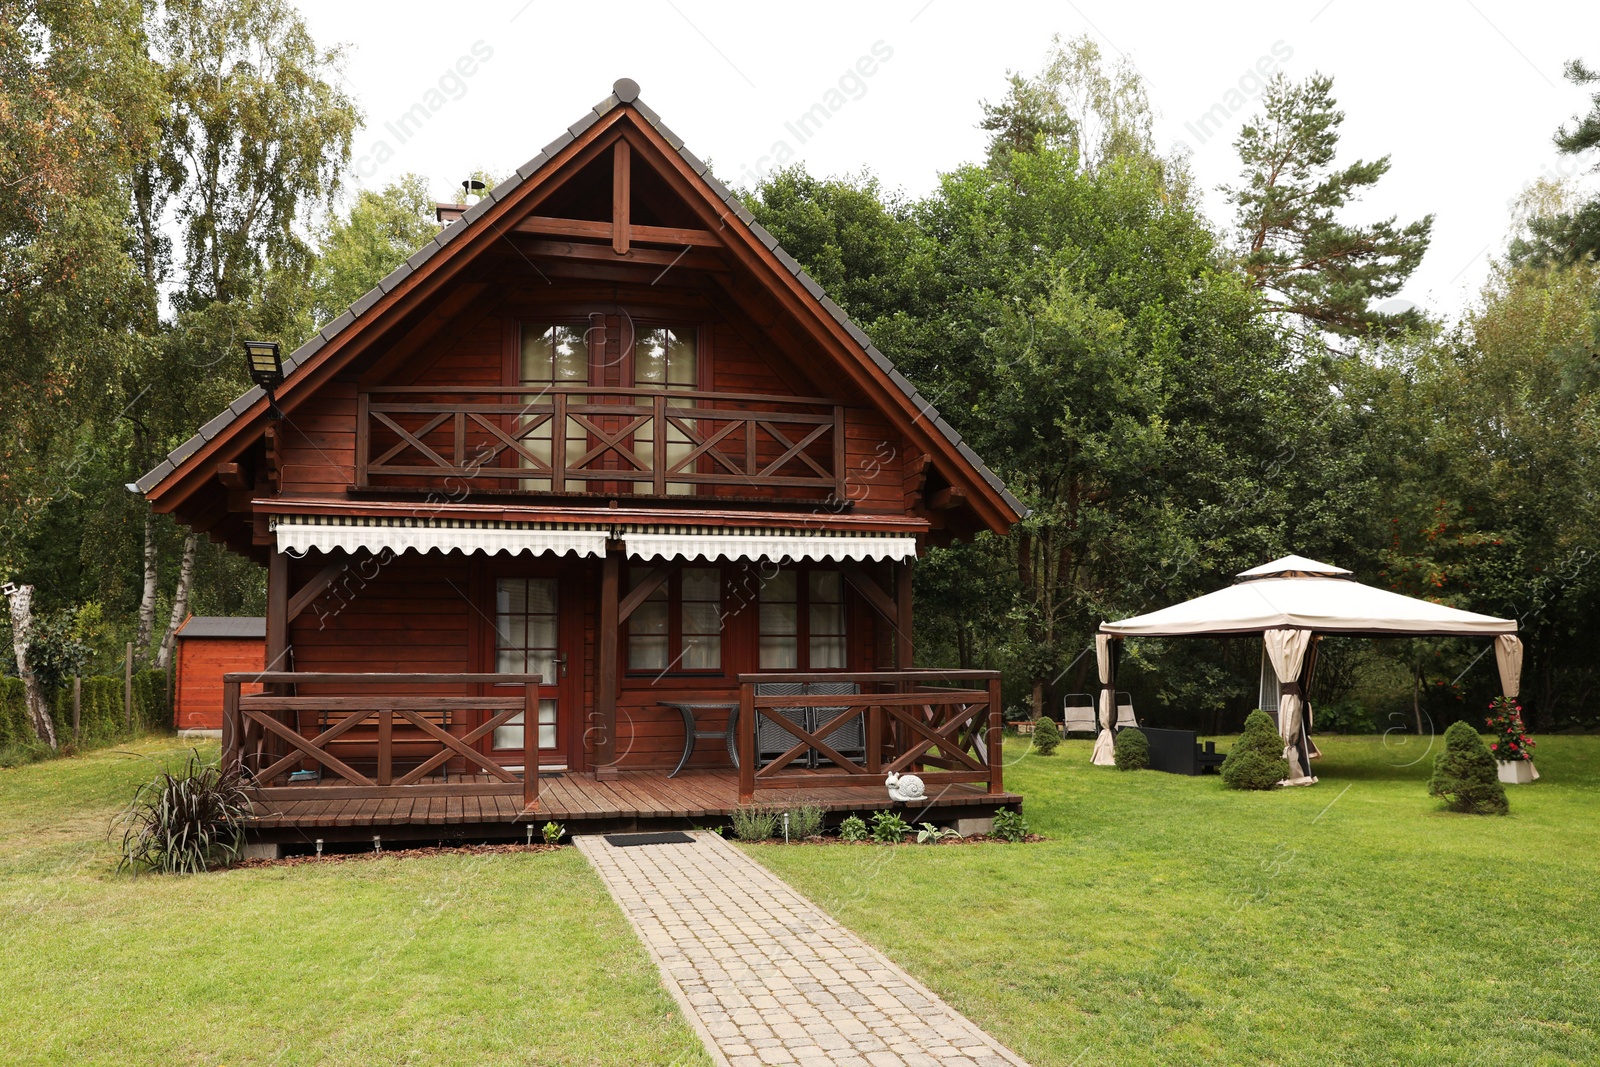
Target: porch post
x,y
277,610
902,624
604,726
277,634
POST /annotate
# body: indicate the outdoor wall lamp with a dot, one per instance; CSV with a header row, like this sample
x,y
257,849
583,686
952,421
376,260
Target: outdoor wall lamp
x,y
266,370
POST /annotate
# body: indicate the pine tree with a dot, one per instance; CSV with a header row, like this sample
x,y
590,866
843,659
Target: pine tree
x,y
1256,761
1291,243
1574,235
1046,738
1464,774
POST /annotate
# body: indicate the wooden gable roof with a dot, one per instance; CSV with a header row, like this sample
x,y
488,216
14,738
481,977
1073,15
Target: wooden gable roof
x,y
427,290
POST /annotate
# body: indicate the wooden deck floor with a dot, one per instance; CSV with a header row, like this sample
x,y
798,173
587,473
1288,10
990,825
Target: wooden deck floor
x,y
633,800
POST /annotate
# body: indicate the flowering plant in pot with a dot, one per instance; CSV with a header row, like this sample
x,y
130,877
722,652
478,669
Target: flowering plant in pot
x,y
1512,747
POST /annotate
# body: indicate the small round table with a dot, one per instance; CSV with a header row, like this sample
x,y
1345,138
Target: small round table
x,y
687,709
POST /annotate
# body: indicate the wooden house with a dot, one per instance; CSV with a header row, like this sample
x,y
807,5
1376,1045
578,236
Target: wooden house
x,y
597,470
206,648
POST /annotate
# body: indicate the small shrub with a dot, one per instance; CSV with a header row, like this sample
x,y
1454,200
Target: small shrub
x,y
185,823
932,835
1010,825
553,832
888,828
1133,750
853,829
1256,760
1464,774
805,820
753,822
1046,737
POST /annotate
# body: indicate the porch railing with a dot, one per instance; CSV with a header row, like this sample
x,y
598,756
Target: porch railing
x,y
271,735
944,726
581,438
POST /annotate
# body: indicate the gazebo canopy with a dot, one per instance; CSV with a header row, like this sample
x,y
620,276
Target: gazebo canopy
x,y
1296,593
1286,601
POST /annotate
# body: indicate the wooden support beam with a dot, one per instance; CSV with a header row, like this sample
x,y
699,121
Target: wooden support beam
x,y
947,498
277,612
547,226
604,729
868,587
902,625
660,258
641,592
621,196
309,592
233,476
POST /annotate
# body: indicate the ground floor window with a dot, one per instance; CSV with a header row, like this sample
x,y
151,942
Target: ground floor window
x,y
679,627
803,620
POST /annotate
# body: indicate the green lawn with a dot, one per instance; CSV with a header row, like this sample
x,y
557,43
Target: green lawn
x,y
493,959
1169,921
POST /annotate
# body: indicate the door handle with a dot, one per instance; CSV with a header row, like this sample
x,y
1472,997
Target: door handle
x,y
561,664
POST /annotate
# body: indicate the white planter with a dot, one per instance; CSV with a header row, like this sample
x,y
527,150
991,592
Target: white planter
x,y
1517,771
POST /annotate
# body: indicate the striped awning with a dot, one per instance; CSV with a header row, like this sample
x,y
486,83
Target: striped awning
x,y
767,544
299,534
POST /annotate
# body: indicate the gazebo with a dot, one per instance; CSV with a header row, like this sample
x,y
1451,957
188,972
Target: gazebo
x,y
1288,602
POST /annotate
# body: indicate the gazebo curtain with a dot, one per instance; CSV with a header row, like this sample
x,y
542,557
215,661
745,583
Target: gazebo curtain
x,y
1105,742
1287,651
1508,657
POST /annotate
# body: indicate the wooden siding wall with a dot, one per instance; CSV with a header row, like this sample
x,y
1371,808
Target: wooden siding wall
x,y
200,663
435,613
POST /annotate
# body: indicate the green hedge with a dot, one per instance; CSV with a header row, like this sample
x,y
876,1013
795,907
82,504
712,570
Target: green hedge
x,y
15,730
102,718
101,722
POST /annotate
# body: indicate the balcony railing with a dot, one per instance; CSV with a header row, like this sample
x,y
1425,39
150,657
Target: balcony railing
x,y
943,726
380,738
587,439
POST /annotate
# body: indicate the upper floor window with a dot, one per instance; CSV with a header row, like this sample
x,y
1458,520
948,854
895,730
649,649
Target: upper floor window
x,y
553,355
665,357
803,621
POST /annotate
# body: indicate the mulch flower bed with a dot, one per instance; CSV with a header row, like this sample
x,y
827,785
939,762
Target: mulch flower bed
x,y
910,839
400,850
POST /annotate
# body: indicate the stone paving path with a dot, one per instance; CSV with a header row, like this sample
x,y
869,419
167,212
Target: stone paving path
x,y
766,977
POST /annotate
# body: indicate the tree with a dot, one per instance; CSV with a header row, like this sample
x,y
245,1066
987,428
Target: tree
x,y
78,107
256,136
379,233
1464,774
1572,234
1256,759
1290,241
1075,103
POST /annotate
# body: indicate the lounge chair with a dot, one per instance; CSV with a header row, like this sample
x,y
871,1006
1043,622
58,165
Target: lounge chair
x,y
1125,711
1077,714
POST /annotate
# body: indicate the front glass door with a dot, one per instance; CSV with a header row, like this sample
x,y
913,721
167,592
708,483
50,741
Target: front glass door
x,y
528,641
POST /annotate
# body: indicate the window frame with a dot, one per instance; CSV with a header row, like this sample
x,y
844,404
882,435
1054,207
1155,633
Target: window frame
x,y
674,590
802,636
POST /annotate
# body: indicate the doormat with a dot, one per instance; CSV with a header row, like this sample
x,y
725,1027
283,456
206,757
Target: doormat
x,y
671,837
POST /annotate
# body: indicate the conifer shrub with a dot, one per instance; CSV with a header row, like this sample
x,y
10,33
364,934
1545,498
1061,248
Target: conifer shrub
x,y
1464,774
1046,736
1133,750
1256,760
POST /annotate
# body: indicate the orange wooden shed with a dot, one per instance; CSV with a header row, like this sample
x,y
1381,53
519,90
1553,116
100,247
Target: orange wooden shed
x,y
209,646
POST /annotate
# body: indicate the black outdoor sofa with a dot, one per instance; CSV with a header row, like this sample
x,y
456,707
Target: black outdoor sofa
x,y
1179,752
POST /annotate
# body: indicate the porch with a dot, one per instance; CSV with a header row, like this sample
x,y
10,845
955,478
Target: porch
x,y
352,756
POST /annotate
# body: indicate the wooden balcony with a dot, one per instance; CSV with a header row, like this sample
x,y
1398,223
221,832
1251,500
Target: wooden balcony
x,y
575,440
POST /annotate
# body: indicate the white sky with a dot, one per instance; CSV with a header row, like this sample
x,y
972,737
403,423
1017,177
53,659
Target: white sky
x,y
1464,95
